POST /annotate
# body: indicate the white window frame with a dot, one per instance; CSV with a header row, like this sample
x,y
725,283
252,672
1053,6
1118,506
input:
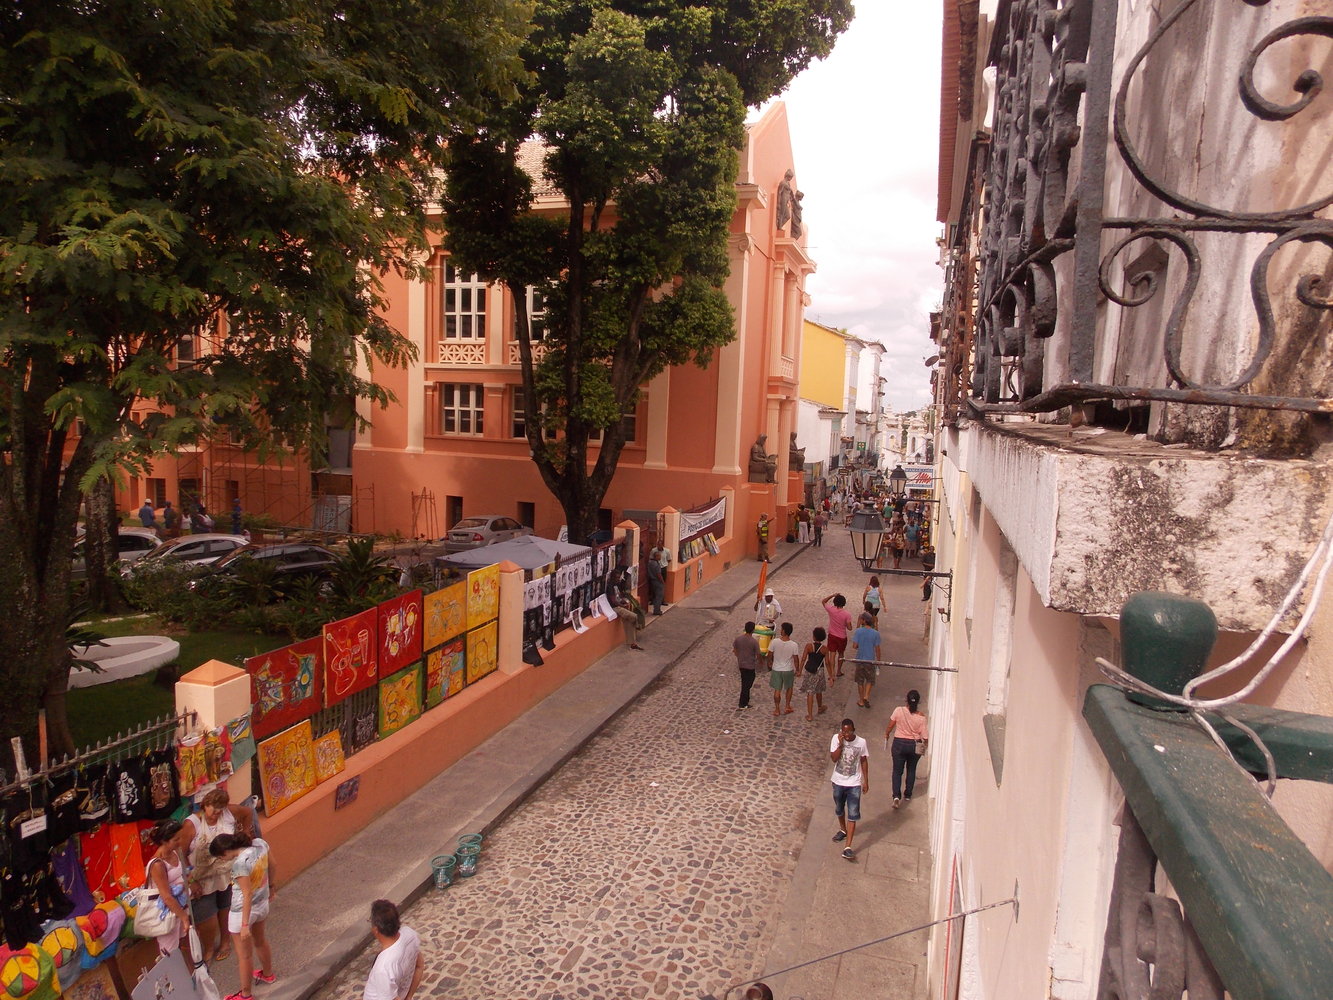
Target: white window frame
x,y
465,402
462,306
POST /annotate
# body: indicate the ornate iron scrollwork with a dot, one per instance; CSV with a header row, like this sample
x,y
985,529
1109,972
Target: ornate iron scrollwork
x,y
1151,952
1056,104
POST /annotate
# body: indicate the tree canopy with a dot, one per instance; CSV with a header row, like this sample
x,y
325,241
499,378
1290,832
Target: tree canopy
x,y
639,107
165,164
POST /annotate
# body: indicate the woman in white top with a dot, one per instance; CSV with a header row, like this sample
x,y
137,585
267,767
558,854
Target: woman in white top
x,y
907,725
210,880
166,881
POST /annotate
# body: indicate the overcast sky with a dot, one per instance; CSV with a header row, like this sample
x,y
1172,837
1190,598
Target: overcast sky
x,y
865,139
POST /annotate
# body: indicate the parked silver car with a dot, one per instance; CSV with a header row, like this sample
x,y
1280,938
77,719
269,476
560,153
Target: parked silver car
x,y
132,544
474,532
203,549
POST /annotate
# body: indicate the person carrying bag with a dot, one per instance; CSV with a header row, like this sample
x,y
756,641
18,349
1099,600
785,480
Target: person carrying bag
x,y
161,911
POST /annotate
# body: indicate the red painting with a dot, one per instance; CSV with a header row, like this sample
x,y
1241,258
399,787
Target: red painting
x,y
400,628
349,656
286,686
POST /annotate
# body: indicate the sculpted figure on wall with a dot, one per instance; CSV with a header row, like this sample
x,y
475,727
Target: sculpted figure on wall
x,y
796,456
786,199
763,466
796,224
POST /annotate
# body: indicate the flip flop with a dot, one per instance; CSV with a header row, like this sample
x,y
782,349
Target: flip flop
x,y
223,953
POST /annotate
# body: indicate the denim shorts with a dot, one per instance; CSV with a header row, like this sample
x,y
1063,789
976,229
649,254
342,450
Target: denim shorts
x,y
848,798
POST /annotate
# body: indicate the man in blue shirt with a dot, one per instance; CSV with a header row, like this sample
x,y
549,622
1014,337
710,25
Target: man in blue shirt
x,y
865,642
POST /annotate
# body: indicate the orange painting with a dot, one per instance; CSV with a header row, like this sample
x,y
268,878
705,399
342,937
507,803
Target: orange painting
x,y
483,595
445,614
481,652
329,758
287,767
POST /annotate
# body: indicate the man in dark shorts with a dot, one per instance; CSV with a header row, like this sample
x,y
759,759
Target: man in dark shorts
x,y
746,648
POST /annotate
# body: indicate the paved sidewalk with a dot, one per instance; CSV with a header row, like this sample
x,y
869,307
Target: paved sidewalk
x,y
319,924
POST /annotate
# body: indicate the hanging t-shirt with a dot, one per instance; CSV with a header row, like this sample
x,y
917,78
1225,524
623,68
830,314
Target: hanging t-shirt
x,y
163,796
126,856
26,827
127,782
98,864
62,807
95,806
69,872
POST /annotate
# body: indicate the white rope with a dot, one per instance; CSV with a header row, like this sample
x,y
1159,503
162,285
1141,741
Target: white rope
x,y
1322,556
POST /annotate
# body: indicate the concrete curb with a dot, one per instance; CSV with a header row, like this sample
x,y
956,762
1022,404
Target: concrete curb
x,y
343,948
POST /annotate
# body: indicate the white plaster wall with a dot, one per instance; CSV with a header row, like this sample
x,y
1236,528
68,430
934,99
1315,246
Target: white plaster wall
x,y
812,431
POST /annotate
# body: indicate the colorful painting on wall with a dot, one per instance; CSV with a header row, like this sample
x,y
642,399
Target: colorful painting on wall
x,y
443,665
483,595
481,652
400,699
287,767
400,628
349,656
329,758
445,614
286,686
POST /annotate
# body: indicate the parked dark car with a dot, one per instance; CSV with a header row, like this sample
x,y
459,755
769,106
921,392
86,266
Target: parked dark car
x,y
474,532
289,560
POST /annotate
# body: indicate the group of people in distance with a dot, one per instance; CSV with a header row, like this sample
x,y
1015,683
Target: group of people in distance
x,y
818,665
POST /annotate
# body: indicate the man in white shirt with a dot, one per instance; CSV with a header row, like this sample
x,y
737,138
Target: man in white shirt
x,y
396,973
784,653
851,779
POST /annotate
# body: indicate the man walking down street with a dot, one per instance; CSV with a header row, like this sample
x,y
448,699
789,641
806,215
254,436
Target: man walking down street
x,y
396,973
746,648
761,532
782,677
851,779
865,641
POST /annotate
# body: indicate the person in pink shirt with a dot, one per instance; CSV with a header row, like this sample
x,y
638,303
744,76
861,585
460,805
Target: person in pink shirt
x,y
839,621
907,726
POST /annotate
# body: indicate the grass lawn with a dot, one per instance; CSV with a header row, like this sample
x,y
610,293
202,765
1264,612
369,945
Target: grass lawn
x,y
101,712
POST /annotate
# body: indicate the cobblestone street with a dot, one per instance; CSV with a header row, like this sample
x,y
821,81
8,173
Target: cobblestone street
x,y
658,862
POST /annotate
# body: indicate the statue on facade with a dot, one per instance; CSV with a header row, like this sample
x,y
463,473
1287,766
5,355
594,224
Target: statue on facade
x,y
796,225
786,199
795,455
763,466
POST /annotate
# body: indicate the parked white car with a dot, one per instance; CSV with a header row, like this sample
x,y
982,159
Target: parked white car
x,y
132,544
487,529
203,549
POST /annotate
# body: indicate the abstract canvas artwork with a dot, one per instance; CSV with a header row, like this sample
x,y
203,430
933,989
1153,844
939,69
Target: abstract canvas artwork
x,y
400,700
329,758
285,686
349,656
287,767
445,612
443,666
481,651
483,595
400,632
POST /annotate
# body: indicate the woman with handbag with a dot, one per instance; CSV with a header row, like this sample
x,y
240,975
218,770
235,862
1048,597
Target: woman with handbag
x,y
907,727
210,880
161,909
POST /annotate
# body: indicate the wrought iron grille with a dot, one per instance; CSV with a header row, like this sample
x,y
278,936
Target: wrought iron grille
x,y
1054,260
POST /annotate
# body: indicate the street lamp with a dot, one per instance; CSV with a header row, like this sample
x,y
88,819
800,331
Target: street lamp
x,y
867,531
897,481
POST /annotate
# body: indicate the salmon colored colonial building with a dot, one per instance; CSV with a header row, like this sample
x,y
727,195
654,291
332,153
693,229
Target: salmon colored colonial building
x,y
453,443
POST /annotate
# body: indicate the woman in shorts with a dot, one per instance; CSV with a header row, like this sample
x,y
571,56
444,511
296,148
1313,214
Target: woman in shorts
x,y
251,871
210,883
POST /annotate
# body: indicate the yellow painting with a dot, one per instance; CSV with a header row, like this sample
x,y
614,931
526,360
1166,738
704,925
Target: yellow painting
x,y
287,767
329,758
400,699
445,614
483,595
481,653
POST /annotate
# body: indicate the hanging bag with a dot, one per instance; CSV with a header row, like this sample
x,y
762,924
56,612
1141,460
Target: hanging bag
x,y
921,746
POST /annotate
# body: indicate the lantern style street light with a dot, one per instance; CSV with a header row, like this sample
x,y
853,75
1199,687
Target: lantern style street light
x,y
867,533
897,481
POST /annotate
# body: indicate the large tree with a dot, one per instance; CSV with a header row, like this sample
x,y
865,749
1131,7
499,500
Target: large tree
x,y
639,108
165,164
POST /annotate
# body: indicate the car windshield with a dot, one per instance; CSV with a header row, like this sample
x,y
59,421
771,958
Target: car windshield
x,y
470,522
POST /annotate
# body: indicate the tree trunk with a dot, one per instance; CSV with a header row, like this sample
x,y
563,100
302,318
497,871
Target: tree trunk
x,y
59,737
101,550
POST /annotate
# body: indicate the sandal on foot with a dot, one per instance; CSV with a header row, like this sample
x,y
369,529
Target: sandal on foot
x,y
223,953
